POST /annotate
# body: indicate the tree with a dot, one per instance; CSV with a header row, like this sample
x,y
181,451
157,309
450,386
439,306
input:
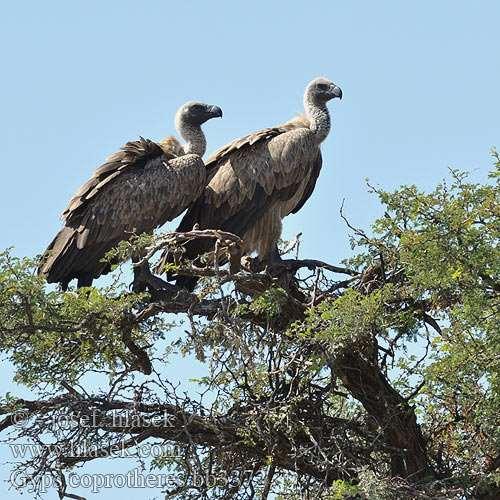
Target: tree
x,y
375,379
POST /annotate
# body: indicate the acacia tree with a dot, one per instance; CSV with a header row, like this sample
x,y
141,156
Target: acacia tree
x,y
374,379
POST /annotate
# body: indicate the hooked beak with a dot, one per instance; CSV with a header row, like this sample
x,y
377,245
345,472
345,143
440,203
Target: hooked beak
x,y
215,112
337,92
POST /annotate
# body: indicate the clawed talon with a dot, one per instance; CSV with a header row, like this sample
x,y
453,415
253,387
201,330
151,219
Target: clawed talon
x,y
272,264
276,269
144,280
251,264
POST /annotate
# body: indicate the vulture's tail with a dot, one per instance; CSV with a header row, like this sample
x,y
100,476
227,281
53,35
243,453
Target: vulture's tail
x,y
64,261
55,260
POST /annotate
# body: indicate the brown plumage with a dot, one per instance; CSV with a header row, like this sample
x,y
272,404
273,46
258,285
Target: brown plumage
x,y
137,189
255,181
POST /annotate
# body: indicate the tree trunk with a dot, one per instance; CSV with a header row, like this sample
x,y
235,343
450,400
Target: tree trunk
x,y
392,413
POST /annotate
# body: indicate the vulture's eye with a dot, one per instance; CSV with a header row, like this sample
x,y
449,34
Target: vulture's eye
x,y
322,86
196,108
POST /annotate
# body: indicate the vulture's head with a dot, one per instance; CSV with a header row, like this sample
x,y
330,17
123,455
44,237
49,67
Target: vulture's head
x,y
197,113
321,90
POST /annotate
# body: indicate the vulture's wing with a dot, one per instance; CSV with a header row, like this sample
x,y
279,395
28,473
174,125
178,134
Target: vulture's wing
x,y
137,189
250,174
255,137
132,156
315,171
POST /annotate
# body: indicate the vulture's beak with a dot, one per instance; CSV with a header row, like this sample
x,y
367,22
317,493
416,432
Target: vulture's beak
x,y
336,91
215,112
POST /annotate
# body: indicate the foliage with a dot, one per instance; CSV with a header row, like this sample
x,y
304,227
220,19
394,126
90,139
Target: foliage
x,y
383,384
51,336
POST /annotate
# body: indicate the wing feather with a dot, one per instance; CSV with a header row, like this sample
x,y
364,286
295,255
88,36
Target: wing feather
x,y
133,155
315,171
135,191
249,175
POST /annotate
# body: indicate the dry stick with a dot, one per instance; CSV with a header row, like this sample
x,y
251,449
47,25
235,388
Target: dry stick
x,y
313,264
269,481
315,289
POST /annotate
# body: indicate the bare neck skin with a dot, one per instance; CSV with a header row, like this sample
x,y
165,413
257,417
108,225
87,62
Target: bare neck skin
x,y
318,115
195,142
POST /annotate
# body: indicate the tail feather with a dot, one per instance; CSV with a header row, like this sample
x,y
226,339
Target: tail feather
x,y
55,260
64,261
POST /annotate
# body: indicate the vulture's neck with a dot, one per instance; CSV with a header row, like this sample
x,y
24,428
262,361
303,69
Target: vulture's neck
x,y
194,137
319,117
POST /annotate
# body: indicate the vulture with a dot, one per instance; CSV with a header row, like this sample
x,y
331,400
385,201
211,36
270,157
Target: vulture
x,y
256,181
137,189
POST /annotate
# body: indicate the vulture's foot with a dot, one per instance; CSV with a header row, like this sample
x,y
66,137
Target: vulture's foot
x,y
144,280
188,283
274,263
251,264
280,269
84,280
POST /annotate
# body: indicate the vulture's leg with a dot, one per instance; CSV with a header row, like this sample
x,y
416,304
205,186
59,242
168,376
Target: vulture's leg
x,y
278,268
187,282
272,260
274,256
145,279
85,280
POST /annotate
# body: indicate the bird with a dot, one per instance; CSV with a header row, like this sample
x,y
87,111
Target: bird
x,y
257,180
137,189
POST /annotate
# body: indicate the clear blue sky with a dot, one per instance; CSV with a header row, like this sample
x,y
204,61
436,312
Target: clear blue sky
x,y
420,79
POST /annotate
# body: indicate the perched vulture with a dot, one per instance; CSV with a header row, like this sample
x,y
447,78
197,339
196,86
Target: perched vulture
x,y
257,180
137,189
